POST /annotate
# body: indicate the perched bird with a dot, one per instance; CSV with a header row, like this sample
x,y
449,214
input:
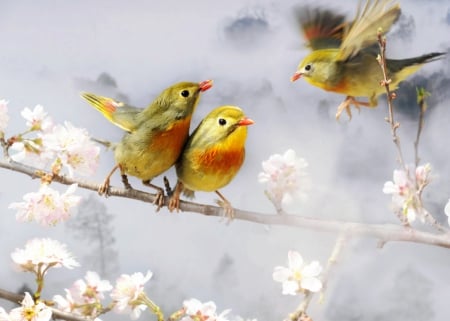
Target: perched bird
x,y
155,135
344,54
213,155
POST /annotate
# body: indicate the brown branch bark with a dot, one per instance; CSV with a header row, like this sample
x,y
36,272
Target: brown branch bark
x,y
383,232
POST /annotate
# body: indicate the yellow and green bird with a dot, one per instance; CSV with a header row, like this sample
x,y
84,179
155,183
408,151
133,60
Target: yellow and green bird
x,y
344,53
154,136
213,155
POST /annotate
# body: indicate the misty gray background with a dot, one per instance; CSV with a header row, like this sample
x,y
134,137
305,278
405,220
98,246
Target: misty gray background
x,y
52,50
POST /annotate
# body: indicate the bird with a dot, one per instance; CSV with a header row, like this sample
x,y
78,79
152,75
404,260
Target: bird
x,y
344,53
212,156
154,136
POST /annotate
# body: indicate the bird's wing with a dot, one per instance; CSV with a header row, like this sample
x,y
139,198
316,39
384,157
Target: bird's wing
x,y
375,15
322,28
126,118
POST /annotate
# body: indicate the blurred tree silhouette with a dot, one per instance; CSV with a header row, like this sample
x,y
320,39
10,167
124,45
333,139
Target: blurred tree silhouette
x,y
93,226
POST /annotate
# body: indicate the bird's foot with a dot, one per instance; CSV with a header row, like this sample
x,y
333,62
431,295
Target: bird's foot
x,y
345,105
227,208
159,197
174,201
104,188
226,205
159,200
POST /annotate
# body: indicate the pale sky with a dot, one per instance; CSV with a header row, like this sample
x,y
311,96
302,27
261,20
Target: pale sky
x,y
52,50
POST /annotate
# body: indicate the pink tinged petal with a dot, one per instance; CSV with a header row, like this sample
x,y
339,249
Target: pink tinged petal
x,y
281,274
295,260
311,284
400,178
127,290
192,306
422,173
93,281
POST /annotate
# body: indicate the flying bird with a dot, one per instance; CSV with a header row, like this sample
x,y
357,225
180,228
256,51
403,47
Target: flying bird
x,y
344,53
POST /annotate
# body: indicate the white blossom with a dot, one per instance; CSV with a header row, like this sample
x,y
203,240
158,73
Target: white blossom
x,y
297,276
128,294
285,178
41,254
31,311
47,206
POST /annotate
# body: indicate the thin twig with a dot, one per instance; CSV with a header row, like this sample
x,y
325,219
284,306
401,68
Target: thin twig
x,y
390,97
334,257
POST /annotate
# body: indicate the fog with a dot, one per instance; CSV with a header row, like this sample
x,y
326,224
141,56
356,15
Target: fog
x,y
52,50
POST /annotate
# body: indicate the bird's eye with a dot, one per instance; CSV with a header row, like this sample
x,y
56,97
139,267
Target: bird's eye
x,y
222,122
308,67
185,93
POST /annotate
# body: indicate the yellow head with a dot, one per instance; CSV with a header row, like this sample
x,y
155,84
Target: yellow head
x,y
222,127
175,102
320,68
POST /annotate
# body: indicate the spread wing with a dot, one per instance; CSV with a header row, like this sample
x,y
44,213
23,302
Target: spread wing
x,y
322,28
375,15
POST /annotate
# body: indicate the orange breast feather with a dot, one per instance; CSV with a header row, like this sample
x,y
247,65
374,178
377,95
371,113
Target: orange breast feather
x,y
173,138
219,160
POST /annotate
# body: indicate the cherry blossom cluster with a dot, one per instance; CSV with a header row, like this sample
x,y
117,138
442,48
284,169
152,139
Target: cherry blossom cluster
x,y
42,144
85,298
46,206
285,178
406,190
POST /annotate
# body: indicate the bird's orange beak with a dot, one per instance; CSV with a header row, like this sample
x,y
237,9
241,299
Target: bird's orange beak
x,y
245,122
296,76
205,85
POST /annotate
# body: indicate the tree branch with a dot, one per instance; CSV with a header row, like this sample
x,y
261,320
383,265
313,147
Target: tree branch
x,y
383,232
